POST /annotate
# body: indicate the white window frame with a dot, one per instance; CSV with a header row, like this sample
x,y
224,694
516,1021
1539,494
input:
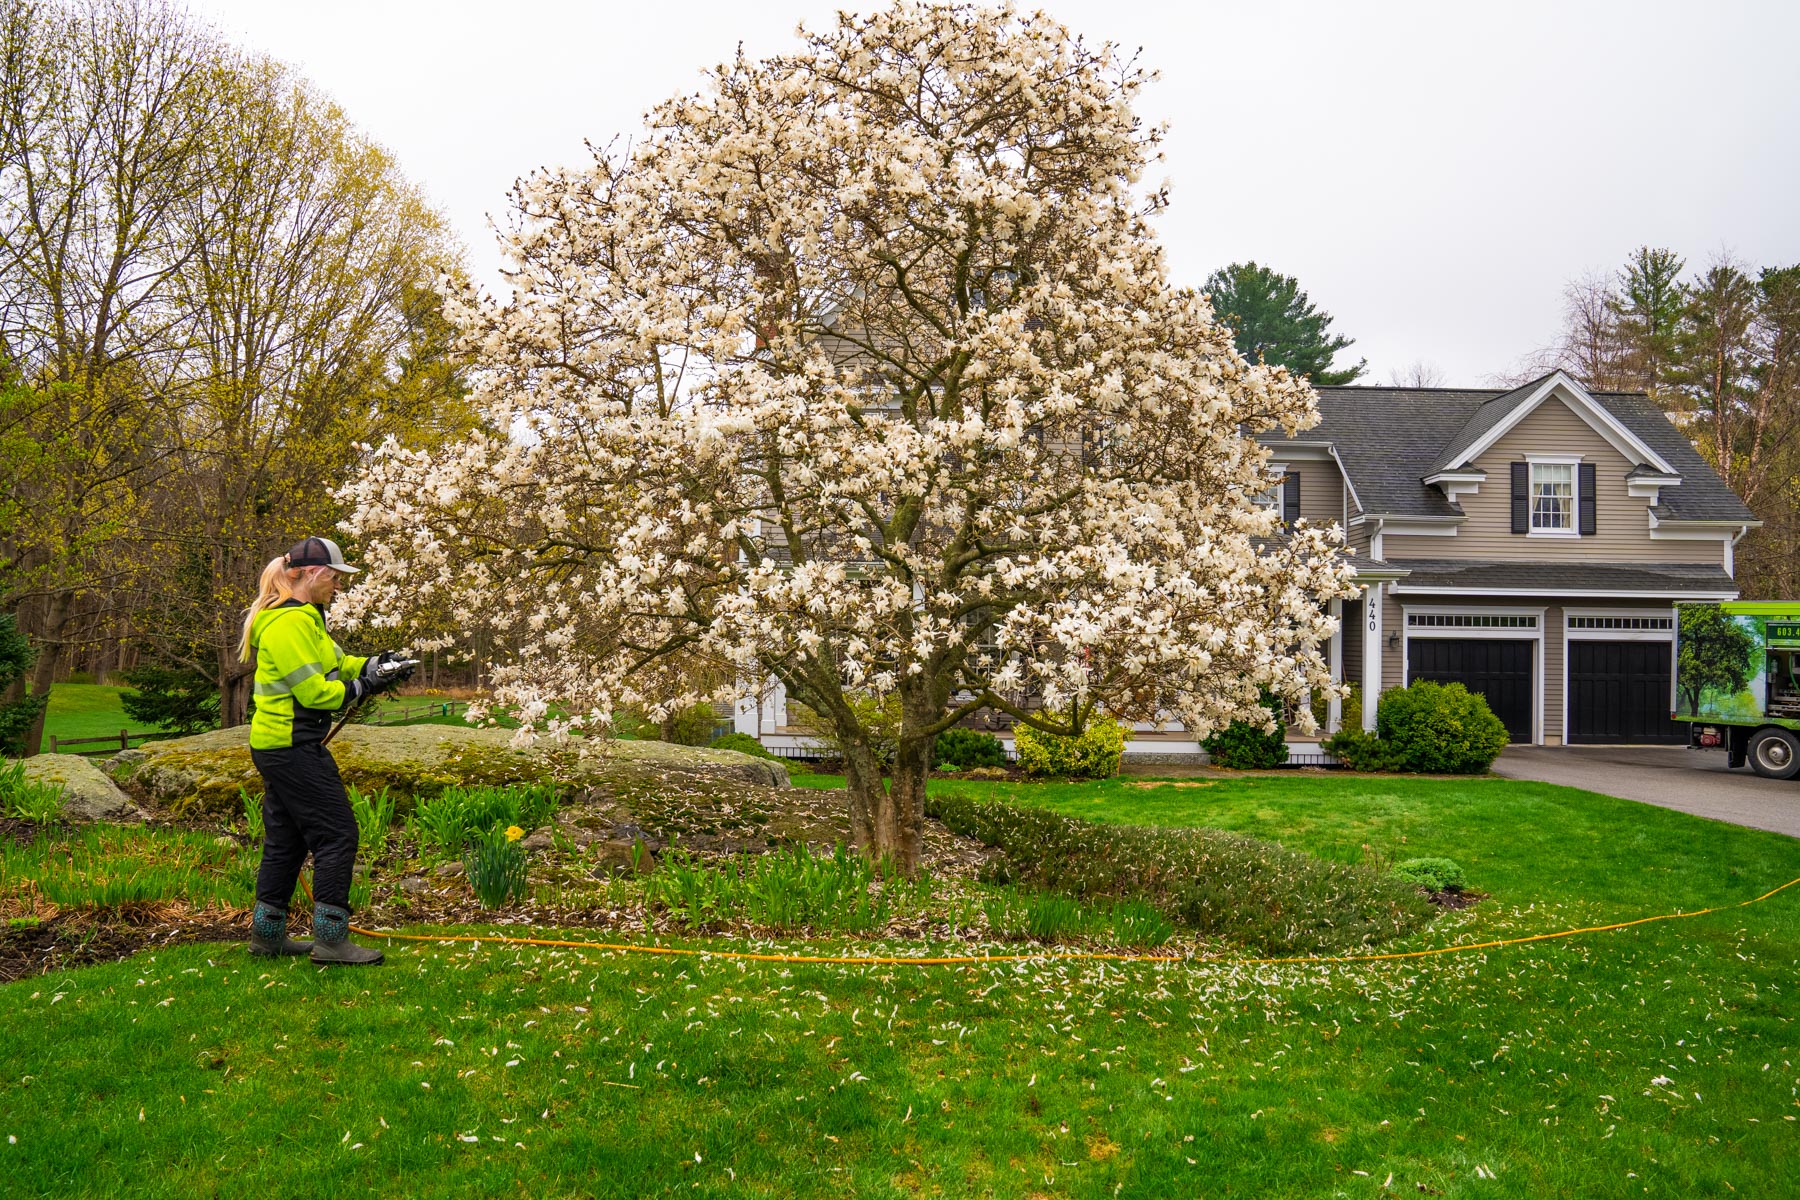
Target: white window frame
x,y
1497,633
1272,497
1571,461
1618,635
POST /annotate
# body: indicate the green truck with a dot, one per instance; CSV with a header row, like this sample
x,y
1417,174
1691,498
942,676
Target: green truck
x,y
1737,681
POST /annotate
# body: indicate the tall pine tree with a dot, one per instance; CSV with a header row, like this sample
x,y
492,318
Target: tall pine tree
x,y
1272,320
1647,310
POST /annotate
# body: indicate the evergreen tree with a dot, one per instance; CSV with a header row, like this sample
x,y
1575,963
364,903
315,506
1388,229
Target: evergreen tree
x,y
179,699
1647,311
1272,320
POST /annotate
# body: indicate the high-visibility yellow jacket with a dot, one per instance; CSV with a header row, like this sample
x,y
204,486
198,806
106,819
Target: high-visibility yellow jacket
x,y
301,676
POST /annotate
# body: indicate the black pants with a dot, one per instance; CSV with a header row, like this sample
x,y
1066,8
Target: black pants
x,y
305,810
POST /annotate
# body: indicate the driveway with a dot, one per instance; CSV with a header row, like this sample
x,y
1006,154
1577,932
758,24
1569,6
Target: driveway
x,y
1692,781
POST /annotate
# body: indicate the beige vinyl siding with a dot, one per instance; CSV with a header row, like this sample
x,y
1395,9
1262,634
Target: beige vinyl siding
x,y
1321,491
1621,521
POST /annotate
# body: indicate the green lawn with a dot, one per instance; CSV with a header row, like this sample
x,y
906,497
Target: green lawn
x,y
84,710
1662,1060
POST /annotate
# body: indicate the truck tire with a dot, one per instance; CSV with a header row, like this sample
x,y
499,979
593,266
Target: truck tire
x,y
1775,753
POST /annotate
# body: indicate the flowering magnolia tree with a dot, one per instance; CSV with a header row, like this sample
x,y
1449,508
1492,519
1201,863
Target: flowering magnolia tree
x,y
861,372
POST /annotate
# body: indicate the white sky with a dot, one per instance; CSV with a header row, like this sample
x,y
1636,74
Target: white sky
x,y
1432,173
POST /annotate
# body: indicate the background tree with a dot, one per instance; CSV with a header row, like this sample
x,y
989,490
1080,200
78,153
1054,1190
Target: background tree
x,y
213,293
1271,320
1647,310
311,257
1720,352
100,110
862,371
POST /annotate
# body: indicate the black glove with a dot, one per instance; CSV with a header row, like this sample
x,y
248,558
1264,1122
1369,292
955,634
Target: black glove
x,y
375,680
405,673
372,681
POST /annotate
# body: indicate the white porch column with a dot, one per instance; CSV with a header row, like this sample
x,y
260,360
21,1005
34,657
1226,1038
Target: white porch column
x,y
1371,648
1334,707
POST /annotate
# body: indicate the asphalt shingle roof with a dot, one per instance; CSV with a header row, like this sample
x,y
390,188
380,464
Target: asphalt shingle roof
x,y
1672,579
1390,439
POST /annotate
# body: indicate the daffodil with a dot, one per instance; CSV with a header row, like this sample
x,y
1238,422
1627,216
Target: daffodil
x,y
514,833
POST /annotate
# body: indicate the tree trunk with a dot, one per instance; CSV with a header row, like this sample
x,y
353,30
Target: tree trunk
x,y
862,775
235,680
888,822
43,671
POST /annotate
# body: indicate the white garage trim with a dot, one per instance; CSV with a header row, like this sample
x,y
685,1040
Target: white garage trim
x,y
1484,622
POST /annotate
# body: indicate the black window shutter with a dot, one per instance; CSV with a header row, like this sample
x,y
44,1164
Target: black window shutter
x,y
1521,497
1587,499
1290,499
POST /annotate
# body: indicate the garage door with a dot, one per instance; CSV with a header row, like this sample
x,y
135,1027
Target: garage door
x,y
1499,669
1619,692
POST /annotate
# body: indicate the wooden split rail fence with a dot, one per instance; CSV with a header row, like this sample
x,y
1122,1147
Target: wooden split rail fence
x,y
112,743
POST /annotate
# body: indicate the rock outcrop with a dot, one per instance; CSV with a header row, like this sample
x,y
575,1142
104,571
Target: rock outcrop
x,y
88,794
204,773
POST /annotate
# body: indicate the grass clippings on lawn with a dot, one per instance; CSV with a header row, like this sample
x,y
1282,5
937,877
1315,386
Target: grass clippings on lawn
x,y
1661,1060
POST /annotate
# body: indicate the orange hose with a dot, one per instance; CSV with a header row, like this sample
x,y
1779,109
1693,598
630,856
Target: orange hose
x,y
877,960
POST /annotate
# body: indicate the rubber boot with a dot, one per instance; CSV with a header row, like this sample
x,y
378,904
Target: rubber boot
x,y
268,932
331,939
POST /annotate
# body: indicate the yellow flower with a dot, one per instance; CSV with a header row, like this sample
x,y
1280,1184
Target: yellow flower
x,y
514,833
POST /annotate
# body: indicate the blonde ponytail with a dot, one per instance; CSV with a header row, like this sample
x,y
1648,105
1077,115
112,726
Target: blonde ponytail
x,y
276,585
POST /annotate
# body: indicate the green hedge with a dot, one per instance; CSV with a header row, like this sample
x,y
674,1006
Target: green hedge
x,y
743,743
1242,746
1255,893
1093,755
965,748
1432,728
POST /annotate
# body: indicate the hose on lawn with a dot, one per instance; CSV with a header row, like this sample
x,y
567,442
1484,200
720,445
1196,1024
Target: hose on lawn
x,y
886,960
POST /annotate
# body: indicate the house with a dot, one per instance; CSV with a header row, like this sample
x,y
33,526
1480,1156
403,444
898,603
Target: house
x,y
1530,544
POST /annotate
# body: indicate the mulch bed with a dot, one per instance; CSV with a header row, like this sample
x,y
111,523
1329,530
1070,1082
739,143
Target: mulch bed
x,y
84,939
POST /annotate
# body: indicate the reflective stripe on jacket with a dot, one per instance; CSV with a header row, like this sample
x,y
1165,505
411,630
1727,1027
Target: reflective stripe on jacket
x,y
300,674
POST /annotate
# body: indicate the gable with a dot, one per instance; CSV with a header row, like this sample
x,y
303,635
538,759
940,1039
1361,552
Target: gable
x,y
1500,416
1553,427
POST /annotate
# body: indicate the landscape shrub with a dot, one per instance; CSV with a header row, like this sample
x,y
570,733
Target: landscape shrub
x,y
743,743
1360,750
1433,728
1093,755
1437,874
879,716
1243,746
691,726
17,717
1252,892
964,749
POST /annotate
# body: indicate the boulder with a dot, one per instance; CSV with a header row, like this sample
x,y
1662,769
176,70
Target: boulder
x,y
88,794
204,773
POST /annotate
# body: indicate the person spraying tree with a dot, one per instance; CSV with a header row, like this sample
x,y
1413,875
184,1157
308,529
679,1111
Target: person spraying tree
x,y
302,677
